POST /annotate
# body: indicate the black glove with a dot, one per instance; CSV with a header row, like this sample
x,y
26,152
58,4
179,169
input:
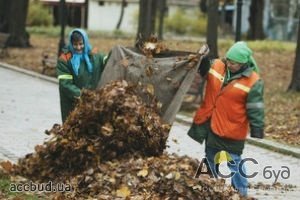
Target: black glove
x,y
204,66
256,132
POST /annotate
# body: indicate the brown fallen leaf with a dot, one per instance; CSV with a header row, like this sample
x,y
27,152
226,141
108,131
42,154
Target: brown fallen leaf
x,y
123,192
6,165
143,173
124,62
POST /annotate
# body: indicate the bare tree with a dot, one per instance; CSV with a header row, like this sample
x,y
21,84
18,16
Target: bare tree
x,y
3,16
147,13
295,83
162,11
212,27
256,20
13,16
123,5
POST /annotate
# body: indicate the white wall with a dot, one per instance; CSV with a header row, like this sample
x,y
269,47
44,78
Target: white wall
x,y
105,18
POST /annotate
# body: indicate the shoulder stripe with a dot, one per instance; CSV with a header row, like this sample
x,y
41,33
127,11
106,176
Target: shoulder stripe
x,y
242,87
65,76
216,74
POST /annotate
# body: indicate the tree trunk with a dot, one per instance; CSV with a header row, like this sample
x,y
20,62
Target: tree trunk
x,y
256,20
123,5
162,10
212,28
295,83
13,15
147,13
4,12
86,13
203,6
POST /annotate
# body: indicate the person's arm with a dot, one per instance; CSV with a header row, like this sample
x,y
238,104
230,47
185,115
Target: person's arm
x,y
65,78
101,57
255,110
105,59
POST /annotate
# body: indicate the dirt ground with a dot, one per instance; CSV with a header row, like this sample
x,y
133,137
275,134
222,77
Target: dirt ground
x,y
282,108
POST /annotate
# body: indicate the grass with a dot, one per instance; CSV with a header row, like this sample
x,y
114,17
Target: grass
x,y
4,183
5,192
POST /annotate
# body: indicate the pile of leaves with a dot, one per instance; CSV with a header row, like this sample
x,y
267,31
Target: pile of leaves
x,y
112,146
104,125
161,177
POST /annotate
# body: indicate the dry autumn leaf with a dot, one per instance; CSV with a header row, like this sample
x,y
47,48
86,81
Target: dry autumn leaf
x,y
6,165
177,176
150,89
124,62
149,71
168,79
123,192
107,129
143,173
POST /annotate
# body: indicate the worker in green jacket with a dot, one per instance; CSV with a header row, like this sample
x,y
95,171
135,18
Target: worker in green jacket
x,y
79,66
233,106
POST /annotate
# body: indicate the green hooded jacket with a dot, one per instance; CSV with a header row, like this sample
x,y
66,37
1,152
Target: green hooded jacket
x,y
70,81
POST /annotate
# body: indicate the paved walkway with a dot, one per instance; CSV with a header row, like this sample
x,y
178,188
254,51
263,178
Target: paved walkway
x,y
30,104
267,144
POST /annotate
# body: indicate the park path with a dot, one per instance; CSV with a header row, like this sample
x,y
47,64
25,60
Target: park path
x,y
29,105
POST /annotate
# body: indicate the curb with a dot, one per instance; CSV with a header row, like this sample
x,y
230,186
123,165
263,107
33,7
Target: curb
x,y
28,72
275,146
7,155
263,143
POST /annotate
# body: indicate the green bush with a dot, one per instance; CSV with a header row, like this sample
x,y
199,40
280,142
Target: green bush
x,y
178,22
198,26
182,22
38,15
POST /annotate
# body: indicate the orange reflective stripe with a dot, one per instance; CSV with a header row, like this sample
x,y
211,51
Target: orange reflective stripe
x,y
216,74
242,87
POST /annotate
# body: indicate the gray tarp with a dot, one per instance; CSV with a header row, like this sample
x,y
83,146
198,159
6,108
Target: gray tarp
x,y
171,74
